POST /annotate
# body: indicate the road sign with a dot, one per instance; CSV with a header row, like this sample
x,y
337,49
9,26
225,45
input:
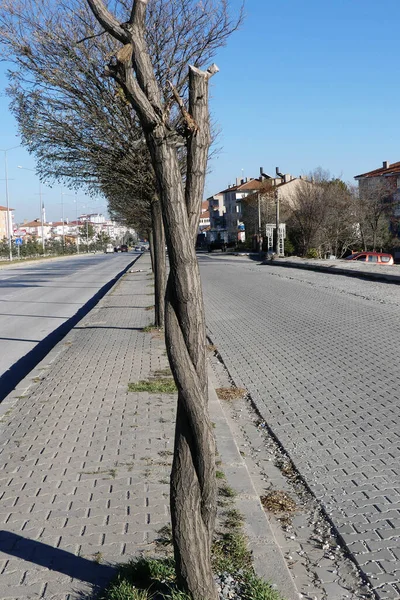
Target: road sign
x,y
18,241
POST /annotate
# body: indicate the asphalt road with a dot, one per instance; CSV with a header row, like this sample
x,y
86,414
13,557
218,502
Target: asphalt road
x,y
37,298
319,355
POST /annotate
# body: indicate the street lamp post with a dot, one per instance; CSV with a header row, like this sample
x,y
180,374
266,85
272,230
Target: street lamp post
x,y
41,205
9,221
77,225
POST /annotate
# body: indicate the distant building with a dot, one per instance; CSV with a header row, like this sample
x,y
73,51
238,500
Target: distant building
x,y
386,182
6,222
226,210
34,229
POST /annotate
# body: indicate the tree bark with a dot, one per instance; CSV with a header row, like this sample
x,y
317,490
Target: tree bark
x,y
159,266
193,482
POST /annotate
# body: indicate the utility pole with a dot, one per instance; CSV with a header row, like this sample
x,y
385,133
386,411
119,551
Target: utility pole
x,y
259,237
8,208
41,207
63,226
41,215
277,249
77,224
9,218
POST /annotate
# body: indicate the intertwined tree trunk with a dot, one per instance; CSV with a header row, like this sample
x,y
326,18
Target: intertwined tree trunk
x,y
193,485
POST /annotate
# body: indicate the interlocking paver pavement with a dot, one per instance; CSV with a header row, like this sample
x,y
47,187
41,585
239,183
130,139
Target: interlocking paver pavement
x,y
321,363
83,467
84,464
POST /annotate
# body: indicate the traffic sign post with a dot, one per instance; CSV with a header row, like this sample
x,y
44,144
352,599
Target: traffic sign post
x,y
18,243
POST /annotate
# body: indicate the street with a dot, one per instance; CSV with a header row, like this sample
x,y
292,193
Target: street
x,y
37,298
319,355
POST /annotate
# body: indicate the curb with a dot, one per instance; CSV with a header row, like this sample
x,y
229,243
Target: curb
x,y
268,559
334,270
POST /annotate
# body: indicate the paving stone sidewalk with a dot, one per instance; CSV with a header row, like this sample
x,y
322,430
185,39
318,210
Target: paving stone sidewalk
x,y
85,464
321,364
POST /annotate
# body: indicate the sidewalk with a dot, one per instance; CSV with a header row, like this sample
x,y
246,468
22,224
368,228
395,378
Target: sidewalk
x,y
85,464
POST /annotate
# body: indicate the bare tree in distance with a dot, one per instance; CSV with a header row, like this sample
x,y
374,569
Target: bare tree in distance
x,y
320,215
373,205
76,122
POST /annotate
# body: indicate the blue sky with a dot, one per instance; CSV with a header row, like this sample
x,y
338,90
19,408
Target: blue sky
x,y
301,85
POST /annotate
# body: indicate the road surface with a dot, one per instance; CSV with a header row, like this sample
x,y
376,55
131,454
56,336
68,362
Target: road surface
x,y
319,355
36,298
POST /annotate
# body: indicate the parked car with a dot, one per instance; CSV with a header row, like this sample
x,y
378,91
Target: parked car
x,y
109,248
377,258
124,248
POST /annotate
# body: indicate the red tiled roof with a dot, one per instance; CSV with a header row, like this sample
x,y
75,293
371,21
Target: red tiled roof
x,y
252,184
393,168
5,208
35,223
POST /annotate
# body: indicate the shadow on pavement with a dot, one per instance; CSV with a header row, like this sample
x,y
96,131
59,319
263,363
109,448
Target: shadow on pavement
x,y
55,559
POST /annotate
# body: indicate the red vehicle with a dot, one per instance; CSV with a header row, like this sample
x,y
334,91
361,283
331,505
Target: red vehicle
x,y
377,258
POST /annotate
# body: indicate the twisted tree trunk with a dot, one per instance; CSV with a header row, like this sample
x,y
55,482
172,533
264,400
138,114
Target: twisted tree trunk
x,y
193,483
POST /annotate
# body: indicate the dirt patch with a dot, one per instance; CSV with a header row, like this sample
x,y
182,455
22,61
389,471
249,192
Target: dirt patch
x,y
230,393
278,502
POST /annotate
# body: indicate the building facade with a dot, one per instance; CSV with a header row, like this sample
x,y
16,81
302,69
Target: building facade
x,y
6,222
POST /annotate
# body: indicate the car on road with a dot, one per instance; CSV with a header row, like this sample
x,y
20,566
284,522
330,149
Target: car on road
x,y
377,258
124,248
109,248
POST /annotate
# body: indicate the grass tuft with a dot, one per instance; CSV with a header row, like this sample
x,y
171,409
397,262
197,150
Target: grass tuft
x,y
163,385
226,491
230,553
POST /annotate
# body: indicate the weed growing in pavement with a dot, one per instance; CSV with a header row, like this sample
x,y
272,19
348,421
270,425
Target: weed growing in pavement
x,y
163,373
226,491
163,385
149,307
97,557
219,474
233,518
150,328
154,578
149,578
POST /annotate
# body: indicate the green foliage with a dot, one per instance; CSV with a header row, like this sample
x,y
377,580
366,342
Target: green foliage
x,y
230,553
255,588
289,247
312,253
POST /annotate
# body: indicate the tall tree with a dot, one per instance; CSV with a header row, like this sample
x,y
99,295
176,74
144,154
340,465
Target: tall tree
x,y
193,489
